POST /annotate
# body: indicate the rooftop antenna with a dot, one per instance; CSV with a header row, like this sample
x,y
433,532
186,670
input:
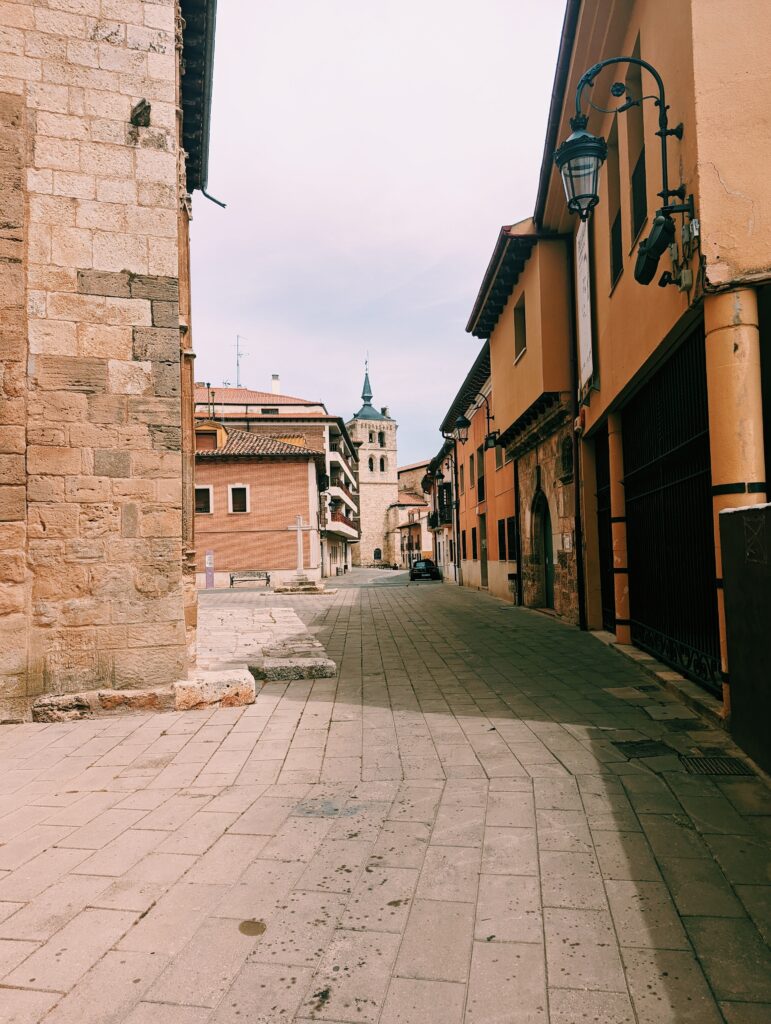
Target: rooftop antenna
x,y
239,355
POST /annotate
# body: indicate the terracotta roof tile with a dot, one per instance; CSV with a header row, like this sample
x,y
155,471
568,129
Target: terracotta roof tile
x,y
245,396
240,442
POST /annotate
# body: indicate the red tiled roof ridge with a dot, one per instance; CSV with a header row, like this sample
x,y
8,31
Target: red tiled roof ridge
x,y
247,396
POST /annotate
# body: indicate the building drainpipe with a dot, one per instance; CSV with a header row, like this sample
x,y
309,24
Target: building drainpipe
x,y
518,537
574,411
456,503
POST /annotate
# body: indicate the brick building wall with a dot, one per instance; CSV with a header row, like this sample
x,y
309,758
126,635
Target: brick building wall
x,y
259,539
92,589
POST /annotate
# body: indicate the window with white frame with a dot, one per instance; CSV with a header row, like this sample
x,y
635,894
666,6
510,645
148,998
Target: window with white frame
x,y
204,500
238,498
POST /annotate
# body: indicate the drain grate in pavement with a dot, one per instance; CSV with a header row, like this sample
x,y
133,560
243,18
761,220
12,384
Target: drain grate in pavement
x,y
643,748
715,766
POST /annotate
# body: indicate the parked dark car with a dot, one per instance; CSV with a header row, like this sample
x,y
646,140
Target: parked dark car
x,y
425,569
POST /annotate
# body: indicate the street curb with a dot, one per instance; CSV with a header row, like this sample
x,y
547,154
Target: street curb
x,y
690,693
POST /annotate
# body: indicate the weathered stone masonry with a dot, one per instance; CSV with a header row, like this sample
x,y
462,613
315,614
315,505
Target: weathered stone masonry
x,y
95,565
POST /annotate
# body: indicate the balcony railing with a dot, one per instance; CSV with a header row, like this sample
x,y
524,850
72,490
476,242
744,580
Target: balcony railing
x,y
343,487
340,517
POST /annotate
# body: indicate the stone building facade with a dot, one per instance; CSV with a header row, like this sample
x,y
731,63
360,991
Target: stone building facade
x,y
374,434
100,103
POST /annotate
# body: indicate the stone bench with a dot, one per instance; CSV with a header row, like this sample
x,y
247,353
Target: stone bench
x,y
251,574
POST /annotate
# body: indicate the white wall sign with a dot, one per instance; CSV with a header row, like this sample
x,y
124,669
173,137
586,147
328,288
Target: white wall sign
x,y
584,310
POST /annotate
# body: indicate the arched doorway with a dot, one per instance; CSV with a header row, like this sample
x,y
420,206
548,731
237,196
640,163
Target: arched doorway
x,y
543,552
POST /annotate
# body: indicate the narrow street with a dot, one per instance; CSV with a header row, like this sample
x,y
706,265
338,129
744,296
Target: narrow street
x,y
457,829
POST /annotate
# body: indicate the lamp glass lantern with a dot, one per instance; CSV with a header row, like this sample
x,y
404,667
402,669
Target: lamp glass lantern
x,y
462,425
579,160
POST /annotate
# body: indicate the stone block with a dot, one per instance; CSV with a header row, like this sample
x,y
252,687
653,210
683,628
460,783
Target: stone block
x,y
67,708
144,286
144,668
135,700
151,409
12,598
166,438
166,379
61,407
96,282
62,373
115,250
109,462
108,409
45,488
12,440
166,314
86,488
12,469
53,337
53,460
157,343
13,504
128,378
12,567
98,520
45,435
102,341
231,688
156,465
158,521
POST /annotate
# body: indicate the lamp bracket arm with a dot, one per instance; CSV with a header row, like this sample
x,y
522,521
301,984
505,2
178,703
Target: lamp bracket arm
x,y
588,77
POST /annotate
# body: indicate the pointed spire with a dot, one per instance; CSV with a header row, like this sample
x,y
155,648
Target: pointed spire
x,y
366,395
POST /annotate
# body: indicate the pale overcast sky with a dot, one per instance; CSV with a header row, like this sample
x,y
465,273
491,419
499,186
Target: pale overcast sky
x,y
368,151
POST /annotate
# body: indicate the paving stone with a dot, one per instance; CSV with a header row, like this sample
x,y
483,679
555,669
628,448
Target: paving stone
x,y
449,873
301,929
745,860
173,920
746,1013
563,831
352,977
571,880
699,888
382,899
645,915
509,909
568,1006
581,951
735,960
71,951
625,856
446,956
203,971
507,984
53,908
263,994
158,1013
402,844
410,1001
22,1006
509,851
668,987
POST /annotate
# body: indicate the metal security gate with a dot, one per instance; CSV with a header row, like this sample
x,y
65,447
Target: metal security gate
x,y
671,548
604,530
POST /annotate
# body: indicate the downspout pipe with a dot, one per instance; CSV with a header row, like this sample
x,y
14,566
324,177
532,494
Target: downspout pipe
x,y
456,503
518,539
574,412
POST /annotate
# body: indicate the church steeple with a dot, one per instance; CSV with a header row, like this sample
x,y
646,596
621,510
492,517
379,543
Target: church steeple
x,y
368,411
366,395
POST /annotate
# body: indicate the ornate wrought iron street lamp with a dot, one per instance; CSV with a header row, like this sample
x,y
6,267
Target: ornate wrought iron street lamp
x,y
581,155
462,425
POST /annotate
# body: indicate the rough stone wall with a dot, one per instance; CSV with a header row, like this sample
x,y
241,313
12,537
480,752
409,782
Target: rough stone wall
x,y
92,514
377,491
557,485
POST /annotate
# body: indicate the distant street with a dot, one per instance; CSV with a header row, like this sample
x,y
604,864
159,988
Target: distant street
x,y
484,819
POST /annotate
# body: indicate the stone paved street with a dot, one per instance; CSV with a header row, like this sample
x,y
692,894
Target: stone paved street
x,y
443,833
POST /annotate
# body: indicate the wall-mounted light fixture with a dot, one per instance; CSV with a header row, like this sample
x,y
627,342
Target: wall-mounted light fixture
x,y
462,425
581,155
